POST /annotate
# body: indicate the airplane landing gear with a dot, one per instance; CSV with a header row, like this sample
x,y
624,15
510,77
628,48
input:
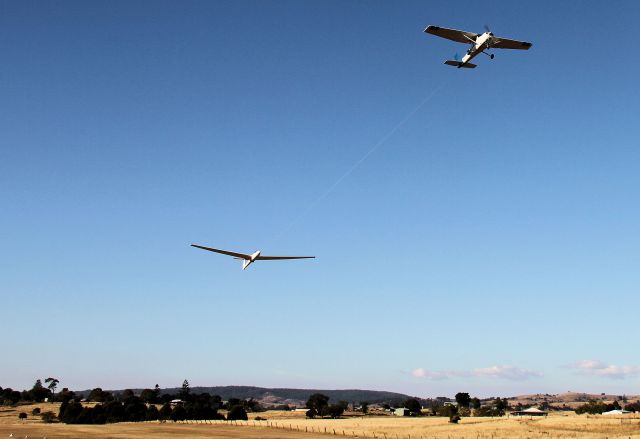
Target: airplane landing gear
x,y
491,56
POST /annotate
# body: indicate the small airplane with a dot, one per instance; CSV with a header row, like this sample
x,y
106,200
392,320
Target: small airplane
x,y
479,43
249,259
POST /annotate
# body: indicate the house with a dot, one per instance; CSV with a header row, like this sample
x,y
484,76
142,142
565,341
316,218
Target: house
x,y
402,412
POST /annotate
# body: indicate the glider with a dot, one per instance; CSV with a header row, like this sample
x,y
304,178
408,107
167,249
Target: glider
x,y
480,43
249,259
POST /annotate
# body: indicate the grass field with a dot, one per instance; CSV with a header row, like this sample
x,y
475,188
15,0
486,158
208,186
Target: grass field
x,y
294,425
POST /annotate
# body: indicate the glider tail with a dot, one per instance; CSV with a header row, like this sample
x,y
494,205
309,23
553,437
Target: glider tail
x,y
459,64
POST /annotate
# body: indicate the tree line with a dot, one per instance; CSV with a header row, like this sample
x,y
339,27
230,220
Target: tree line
x,y
594,407
129,407
38,393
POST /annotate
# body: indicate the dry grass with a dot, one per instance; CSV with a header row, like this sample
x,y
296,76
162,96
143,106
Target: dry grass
x,y
293,424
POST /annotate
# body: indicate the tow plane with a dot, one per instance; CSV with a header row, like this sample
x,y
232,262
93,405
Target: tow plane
x,y
480,43
249,259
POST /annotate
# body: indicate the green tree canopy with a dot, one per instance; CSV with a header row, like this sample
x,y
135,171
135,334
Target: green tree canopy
x,y
463,399
413,405
237,413
318,402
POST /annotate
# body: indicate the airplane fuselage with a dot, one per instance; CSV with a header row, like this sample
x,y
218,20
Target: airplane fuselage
x,y
482,43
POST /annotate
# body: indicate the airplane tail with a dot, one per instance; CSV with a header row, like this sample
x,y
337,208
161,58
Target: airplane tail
x,y
245,263
459,64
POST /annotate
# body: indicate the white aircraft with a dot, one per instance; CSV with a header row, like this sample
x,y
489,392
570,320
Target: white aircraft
x,y
479,43
249,259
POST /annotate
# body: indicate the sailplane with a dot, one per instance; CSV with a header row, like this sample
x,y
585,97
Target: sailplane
x,y
248,259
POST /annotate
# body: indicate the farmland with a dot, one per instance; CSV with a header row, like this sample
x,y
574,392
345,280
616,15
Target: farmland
x,y
281,424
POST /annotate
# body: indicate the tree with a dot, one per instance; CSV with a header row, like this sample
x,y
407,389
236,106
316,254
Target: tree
x,y
152,413
413,405
463,399
448,410
156,391
70,412
22,416
184,391
501,405
126,394
592,407
134,409
335,410
179,413
237,413
38,393
148,396
364,406
475,403
48,417
98,395
165,411
633,406
53,383
318,402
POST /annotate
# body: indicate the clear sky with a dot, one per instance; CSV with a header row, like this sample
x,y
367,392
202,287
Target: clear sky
x,y
490,243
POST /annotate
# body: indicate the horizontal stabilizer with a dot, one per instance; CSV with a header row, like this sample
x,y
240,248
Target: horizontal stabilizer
x,y
460,64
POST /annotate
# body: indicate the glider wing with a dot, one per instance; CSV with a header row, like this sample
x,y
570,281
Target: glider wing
x,y
224,252
273,258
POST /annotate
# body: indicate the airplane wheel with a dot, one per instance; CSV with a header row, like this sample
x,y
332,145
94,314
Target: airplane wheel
x,y
492,55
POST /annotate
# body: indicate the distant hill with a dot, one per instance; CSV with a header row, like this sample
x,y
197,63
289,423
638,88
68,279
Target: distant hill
x,y
571,399
298,397
294,397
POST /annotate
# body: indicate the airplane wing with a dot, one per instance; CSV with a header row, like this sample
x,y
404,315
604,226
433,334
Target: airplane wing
x,y
504,43
460,36
273,258
224,252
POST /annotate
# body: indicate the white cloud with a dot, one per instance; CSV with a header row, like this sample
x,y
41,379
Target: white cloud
x,y
434,374
500,372
507,372
599,368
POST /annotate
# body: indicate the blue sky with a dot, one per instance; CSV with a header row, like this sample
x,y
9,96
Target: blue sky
x,y
489,244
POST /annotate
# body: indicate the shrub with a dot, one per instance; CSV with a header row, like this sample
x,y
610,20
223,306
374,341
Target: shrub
x,y
454,419
48,417
22,416
237,413
335,410
35,411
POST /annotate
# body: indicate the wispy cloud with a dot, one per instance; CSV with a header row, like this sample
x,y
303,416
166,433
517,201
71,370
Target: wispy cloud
x,y
507,373
498,372
599,368
433,375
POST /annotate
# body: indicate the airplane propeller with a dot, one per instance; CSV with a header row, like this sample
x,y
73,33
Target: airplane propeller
x,y
486,27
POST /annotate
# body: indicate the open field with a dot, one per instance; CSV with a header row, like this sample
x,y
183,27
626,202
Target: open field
x,y
293,425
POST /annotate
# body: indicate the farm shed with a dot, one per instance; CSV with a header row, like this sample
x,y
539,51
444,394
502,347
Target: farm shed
x,y
616,412
531,411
